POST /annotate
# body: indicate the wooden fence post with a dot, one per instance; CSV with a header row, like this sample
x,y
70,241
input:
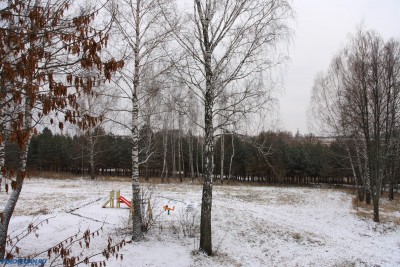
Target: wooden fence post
x,y
118,195
112,199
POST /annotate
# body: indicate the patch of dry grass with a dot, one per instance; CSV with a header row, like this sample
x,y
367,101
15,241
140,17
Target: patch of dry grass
x,y
296,236
362,210
111,178
389,209
391,205
53,175
172,180
39,212
288,199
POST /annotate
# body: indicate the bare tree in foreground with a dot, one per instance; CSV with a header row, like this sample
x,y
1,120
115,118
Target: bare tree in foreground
x,y
228,45
140,24
41,54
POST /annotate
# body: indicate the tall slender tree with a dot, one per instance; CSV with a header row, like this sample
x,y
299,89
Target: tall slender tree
x,y
228,47
367,104
142,27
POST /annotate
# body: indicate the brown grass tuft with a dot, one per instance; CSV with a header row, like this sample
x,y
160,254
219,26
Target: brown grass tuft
x,y
111,178
53,175
388,209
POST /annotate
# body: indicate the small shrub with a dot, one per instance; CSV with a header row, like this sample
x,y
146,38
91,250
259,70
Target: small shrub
x,y
189,221
296,236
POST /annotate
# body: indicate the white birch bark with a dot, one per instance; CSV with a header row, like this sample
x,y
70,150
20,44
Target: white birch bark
x,y
222,157
173,147
229,42
149,142
136,201
91,154
231,161
179,147
191,166
164,173
141,26
14,196
197,156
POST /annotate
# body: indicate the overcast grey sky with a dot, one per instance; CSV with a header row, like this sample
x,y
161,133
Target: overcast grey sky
x,y
321,28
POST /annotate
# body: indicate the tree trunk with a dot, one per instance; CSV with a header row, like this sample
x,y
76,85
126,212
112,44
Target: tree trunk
x,y
202,160
91,155
367,183
376,197
173,149
2,123
12,202
360,193
182,161
376,194
149,139
191,155
233,154
2,158
391,189
136,201
197,156
165,146
146,171
206,203
357,179
368,197
222,158
13,199
179,149
393,173
148,152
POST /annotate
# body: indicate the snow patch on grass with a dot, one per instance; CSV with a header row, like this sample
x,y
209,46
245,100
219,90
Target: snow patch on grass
x,y
252,226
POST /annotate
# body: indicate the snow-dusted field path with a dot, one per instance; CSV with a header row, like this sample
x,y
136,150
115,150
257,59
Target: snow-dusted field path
x,y
252,226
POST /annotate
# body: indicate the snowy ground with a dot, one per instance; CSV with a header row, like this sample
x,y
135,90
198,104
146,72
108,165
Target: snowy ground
x,y
252,226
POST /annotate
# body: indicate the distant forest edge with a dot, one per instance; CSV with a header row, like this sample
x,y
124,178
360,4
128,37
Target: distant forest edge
x,y
271,157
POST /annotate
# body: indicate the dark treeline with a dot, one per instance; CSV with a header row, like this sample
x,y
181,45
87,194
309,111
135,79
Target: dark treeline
x,y
273,157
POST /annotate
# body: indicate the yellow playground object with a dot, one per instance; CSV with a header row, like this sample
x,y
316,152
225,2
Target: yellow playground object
x,y
115,200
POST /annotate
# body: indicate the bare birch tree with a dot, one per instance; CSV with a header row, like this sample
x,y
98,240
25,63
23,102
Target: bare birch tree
x,y
232,155
327,111
97,104
228,45
141,26
367,101
150,112
164,173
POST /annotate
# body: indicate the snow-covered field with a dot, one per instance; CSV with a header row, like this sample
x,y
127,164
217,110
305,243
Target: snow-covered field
x,y
252,226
